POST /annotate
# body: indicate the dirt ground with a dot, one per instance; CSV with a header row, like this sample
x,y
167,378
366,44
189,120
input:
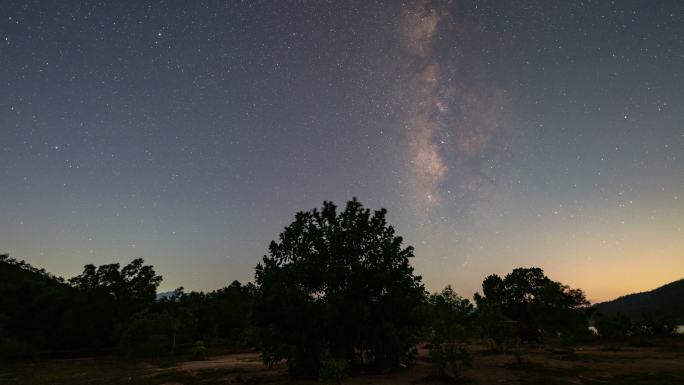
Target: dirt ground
x,y
660,364
651,363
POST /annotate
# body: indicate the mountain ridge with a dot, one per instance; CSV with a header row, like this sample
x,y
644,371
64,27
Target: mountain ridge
x,y
664,303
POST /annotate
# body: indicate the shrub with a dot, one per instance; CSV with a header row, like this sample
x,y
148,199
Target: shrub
x,y
147,335
513,345
199,350
449,359
12,348
333,371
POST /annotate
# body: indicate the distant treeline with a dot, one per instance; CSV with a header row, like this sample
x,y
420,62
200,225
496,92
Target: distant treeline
x,y
113,308
335,292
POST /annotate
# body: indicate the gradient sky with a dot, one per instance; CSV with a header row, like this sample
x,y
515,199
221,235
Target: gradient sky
x,y
498,134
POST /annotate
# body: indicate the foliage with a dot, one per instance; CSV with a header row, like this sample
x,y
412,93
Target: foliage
x,y
513,345
218,317
23,265
534,301
450,315
148,335
333,371
133,286
109,308
199,350
337,282
613,326
108,297
489,321
450,320
32,302
450,358
618,326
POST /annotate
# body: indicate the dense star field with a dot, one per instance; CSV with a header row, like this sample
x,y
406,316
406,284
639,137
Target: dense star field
x,y
497,134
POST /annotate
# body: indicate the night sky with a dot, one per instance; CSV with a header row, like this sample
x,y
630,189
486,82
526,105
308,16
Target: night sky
x,y
498,134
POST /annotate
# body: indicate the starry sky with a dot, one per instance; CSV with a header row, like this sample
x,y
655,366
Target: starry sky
x,y
498,134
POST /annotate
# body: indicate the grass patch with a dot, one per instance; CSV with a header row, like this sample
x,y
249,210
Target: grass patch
x,y
638,379
614,348
642,343
544,381
538,374
672,348
111,372
433,379
537,369
574,356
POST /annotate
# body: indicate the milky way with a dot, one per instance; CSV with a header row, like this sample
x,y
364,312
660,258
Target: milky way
x,y
423,104
450,119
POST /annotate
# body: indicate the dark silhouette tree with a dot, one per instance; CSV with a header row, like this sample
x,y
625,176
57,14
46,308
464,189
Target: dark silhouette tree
x,y
112,308
493,290
528,296
337,285
109,296
615,326
450,320
450,315
135,284
218,317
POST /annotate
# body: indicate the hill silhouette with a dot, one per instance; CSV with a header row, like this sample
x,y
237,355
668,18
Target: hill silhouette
x,y
665,303
31,300
19,273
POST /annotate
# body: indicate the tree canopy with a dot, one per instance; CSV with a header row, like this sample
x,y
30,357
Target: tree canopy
x,y
337,284
113,309
135,283
528,296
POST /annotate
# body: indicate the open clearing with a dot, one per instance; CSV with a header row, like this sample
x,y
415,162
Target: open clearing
x,y
644,363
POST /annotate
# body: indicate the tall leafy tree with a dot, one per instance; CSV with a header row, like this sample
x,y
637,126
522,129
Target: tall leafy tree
x,y
450,315
450,318
528,296
340,285
221,316
134,284
109,296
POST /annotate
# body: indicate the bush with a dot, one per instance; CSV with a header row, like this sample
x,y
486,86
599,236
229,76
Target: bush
x,y
199,350
148,335
560,343
449,359
513,345
12,348
333,371
490,325
614,326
